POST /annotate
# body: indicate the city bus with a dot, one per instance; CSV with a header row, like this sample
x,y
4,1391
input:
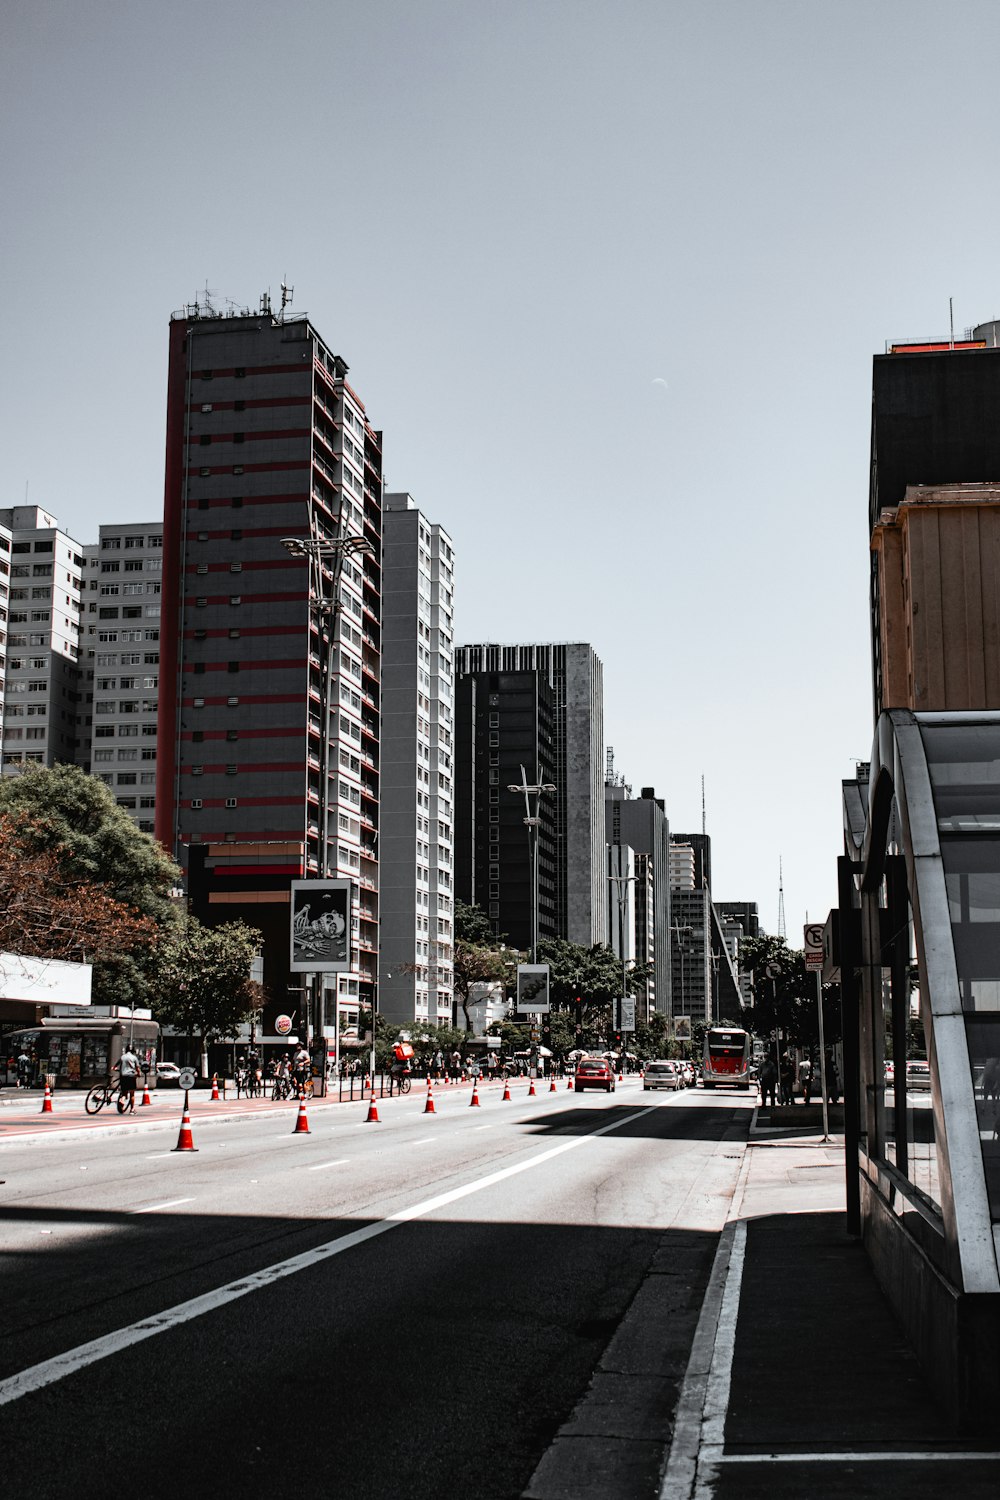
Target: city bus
x,y
727,1058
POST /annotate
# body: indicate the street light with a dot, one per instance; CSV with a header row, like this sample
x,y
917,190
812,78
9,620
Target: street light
x,y
326,557
531,823
622,882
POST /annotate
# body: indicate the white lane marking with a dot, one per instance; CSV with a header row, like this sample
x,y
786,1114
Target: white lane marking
x,y
37,1377
321,1165
714,1412
423,1140
485,1127
918,1456
159,1156
155,1207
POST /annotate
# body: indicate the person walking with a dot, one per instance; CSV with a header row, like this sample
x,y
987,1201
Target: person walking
x,y
128,1074
805,1078
786,1078
768,1080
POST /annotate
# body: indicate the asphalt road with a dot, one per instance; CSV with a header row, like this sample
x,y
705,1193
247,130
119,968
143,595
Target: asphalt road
x,y
408,1308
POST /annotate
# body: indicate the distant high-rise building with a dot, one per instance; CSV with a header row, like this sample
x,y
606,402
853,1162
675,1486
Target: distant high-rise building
x,y
640,823
5,542
268,744
42,697
568,685
416,819
120,663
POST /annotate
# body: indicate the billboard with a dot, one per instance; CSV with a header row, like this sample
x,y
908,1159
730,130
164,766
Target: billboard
x,y
44,981
533,987
321,926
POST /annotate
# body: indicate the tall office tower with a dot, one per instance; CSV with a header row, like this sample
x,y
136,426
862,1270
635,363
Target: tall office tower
x,y
934,516
120,663
416,816
269,676
5,543
43,641
691,930
574,678
743,912
640,823
503,725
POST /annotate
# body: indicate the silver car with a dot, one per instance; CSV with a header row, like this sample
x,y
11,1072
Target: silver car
x,y
662,1074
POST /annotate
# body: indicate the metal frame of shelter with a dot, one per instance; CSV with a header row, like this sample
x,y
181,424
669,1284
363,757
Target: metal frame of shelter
x,y
920,915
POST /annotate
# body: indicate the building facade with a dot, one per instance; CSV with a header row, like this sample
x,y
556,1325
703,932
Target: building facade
x,y
416,821
42,697
641,824
120,663
573,676
270,655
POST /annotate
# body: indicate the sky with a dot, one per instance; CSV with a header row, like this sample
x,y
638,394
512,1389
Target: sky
x,y
609,276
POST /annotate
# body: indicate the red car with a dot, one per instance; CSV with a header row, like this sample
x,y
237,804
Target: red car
x,y
594,1073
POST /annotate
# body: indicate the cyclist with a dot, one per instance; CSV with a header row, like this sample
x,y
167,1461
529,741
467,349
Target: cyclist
x,y
399,1071
301,1070
128,1073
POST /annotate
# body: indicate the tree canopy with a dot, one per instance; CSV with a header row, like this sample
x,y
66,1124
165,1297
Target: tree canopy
x,y
786,1002
206,989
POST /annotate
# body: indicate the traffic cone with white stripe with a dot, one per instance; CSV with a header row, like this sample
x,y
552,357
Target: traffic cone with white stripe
x,y
429,1108
531,1090
569,1080
372,1116
47,1101
215,1088
185,1141
553,1086
145,1093
506,1091
301,1119
475,1093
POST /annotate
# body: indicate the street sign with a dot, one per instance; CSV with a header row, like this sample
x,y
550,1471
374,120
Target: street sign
x,y
533,987
185,1079
812,936
283,1025
625,1013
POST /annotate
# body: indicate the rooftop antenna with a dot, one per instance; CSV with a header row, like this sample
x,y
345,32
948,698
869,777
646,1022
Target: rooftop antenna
x,y
208,298
781,899
287,293
951,324
703,806
609,773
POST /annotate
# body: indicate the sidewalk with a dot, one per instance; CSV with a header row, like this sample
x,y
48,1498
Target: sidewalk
x,y
800,1379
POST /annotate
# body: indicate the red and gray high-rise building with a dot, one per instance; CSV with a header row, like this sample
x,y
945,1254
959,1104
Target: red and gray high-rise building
x,y
267,751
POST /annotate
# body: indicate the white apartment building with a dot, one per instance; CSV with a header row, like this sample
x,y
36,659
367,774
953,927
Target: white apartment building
x,y
5,544
41,698
416,817
121,662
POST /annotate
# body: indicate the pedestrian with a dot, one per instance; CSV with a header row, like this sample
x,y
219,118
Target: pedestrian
x,y
786,1077
23,1070
805,1078
832,1080
768,1080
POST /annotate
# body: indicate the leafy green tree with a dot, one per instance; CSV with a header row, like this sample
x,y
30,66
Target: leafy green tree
x,y
480,957
207,991
73,817
786,1002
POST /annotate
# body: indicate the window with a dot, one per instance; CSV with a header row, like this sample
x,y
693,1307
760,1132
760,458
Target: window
x,y
231,770
236,599
237,468
197,736
197,770
236,567
233,666
199,668
236,535
204,472
230,801
195,803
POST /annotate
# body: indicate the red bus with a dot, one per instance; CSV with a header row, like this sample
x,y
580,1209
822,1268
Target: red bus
x,y
727,1058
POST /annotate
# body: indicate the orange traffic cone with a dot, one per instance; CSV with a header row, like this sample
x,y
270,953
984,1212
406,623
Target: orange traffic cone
x,y
429,1106
215,1088
184,1139
553,1086
145,1094
301,1119
506,1091
47,1102
475,1093
621,1076
531,1090
372,1116
569,1080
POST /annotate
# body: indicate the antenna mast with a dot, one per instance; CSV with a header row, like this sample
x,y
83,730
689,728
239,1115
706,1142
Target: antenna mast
x,y
703,806
781,899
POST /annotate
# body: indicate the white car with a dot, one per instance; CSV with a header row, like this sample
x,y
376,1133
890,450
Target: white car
x,y
167,1072
662,1074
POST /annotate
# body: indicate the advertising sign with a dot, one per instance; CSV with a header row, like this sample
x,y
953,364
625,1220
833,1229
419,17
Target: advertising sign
x,y
625,1013
682,1028
321,926
533,987
44,981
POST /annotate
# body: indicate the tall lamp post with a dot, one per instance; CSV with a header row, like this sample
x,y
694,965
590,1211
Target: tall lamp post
x,y
326,557
622,883
531,823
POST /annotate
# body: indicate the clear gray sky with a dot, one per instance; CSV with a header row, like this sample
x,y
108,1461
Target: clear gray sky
x,y
609,276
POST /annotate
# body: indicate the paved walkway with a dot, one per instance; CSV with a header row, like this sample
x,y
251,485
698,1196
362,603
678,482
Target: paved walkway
x,y
800,1379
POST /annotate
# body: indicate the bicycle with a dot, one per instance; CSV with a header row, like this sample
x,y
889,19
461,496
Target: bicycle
x,y
282,1089
401,1082
102,1094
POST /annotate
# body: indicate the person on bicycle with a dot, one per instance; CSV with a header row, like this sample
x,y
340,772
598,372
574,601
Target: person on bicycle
x,y
397,1072
301,1069
128,1074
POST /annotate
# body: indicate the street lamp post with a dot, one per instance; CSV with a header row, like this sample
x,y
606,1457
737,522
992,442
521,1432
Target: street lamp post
x,y
622,883
532,822
326,557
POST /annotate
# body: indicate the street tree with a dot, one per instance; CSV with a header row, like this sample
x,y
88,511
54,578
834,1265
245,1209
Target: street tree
x,y
785,1001
47,913
73,817
479,957
205,973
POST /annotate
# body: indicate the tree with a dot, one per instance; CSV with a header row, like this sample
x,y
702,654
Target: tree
x,y
480,957
73,817
786,1002
205,973
45,913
